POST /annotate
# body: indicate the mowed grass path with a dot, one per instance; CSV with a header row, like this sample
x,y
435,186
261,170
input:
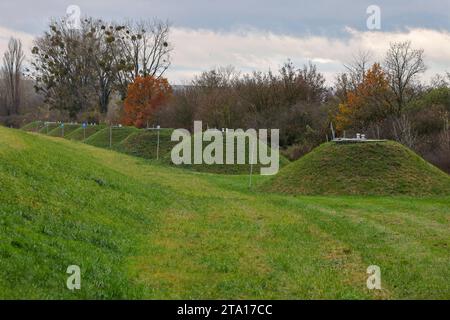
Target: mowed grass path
x,y
141,230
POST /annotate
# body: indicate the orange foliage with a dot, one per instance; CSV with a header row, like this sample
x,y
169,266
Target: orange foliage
x,y
144,96
367,103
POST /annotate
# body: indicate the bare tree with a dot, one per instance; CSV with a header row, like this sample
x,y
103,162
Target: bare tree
x,y
103,47
445,134
12,73
353,76
403,64
403,131
145,49
3,107
357,68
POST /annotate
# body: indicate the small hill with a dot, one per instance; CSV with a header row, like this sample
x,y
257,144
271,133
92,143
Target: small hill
x,y
79,134
33,126
101,138
382,168
41,127
68,129
46,129
144,144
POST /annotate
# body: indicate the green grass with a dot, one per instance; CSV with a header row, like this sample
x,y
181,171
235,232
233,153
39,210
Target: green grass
x,y
33,126
79,134
68,129
385,168
46,129
144,230
144,144
102,138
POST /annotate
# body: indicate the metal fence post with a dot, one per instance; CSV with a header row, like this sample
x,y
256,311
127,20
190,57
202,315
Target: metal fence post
x,y
251,166
110,136
157,145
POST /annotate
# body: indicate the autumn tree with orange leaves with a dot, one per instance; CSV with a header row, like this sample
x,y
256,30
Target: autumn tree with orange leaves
x,y
144,97
368,103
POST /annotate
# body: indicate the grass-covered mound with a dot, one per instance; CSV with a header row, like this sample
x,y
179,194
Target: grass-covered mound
x,y
384,168
41,127
143,143
47,128
79,134
101,139
141,230
68,129
34,126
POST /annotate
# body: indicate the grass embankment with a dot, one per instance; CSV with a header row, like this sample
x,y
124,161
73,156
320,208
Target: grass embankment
x,y
81,134
101,139
41,127
143,143
63,132
46,129
33,126
142,230
385,168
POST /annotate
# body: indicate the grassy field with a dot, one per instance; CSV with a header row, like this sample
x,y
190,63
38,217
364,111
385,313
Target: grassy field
x,y
143,230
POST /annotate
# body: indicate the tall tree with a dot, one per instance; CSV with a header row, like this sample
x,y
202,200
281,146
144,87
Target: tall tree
x,y
104,50
63,68
79,69
12,73
403,64
145,51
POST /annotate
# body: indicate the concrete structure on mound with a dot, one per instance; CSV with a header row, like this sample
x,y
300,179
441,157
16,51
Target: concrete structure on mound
x,y
359,139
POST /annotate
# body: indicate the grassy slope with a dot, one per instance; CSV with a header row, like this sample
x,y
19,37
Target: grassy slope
x,y
47,129
33,126
141,230
373,168
101,138
144,144
68,129
78,134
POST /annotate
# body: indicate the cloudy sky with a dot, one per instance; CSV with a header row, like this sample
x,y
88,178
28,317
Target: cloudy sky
x,y
259,34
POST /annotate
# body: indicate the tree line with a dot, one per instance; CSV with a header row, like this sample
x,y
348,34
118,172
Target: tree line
x,y
382,99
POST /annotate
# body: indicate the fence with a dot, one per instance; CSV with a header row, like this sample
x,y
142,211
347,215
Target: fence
x,y
84,125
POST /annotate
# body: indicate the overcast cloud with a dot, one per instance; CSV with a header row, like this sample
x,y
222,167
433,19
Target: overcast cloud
x,y
258,35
